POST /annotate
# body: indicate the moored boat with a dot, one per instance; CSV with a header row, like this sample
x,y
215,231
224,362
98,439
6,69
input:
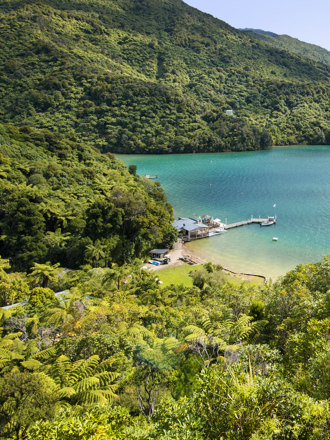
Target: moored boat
x,y
269,222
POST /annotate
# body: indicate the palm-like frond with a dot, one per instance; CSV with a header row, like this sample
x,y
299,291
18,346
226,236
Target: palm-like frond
x,y
214,336
66,392
86,384
45,354
84,381
106,377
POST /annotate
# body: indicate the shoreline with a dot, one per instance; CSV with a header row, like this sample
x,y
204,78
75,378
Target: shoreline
x,y
238,274
181,250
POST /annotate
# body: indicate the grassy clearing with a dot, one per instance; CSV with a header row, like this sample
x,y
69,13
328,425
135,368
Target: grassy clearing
x,y
176,275
180,275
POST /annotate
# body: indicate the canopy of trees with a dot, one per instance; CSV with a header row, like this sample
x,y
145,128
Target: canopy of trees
x,y
137,360
63,202
154,76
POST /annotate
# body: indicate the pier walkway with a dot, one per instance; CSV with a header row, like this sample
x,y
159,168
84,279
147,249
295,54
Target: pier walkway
x,y
264,221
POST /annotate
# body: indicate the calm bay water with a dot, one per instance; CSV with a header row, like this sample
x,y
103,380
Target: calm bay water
x,y
235,186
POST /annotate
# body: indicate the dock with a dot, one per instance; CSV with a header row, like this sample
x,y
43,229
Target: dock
x,y
262,221
191,229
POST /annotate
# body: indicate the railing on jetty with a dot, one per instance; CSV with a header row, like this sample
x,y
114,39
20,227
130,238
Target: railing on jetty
x,y
265,221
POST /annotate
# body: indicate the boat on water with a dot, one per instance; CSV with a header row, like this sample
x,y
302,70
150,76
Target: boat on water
x,y
217,232
275,238
269,222
149,176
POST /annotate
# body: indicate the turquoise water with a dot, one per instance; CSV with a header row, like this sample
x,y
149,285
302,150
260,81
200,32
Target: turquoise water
x,y
235,186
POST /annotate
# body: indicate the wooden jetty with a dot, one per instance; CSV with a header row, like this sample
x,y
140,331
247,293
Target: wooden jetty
x,y
263,221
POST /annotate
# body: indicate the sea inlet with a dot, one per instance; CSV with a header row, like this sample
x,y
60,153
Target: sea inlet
x,y
292,183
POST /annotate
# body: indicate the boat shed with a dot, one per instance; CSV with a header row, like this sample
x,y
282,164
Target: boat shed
x,y
159,253
190,229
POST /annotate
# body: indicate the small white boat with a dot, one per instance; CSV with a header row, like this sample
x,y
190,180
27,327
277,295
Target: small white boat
x,y
269,222
275,238
217,232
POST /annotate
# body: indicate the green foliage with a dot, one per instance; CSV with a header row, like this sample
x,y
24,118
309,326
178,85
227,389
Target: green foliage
x,y
293,45
24,399
257,310
245,405
153,77
40,295
87,209
125,357
96,424
83,382
43,274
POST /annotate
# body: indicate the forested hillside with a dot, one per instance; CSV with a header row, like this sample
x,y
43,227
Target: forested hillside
x,y
117,356
290,44
63,202
154,76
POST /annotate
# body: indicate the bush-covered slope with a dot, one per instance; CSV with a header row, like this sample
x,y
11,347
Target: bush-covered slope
x,y
290,44
153,76
61,201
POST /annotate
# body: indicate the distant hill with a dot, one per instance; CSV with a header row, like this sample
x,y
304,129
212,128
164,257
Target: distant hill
x,y
285,42
154,76
259,31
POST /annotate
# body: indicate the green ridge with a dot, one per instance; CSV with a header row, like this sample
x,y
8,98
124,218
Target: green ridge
x,y
290,44
154,76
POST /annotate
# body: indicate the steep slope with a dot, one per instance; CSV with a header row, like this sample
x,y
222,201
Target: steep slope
x,y
293,45
62,201
153,76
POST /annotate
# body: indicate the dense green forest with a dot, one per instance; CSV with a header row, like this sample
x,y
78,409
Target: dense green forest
x,y
118,356
92,344
154,76
64,202
285,42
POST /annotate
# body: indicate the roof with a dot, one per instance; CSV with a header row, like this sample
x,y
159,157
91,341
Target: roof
x,y
206,216
188,224
158,251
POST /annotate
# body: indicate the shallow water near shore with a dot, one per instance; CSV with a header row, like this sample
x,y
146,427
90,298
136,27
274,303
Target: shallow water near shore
x,y
234,186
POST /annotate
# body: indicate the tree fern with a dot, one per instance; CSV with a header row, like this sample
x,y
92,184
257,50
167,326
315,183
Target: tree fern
x,y
85,381
210,340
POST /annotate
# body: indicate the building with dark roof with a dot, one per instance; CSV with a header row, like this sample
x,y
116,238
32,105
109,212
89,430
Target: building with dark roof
x,y
159,253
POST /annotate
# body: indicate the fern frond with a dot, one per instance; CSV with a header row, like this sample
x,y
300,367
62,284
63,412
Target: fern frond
x,y
46,354
4,362
31,364
83,368
106,377
6,344
207,324
61,404
66,392
5,353
96,396
86,384
59,370
31,347
242,328
195,336
170,344
193,329
105,365
181,348
12,336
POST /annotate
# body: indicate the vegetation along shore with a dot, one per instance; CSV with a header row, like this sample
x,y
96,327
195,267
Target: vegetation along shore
x,y
93,343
